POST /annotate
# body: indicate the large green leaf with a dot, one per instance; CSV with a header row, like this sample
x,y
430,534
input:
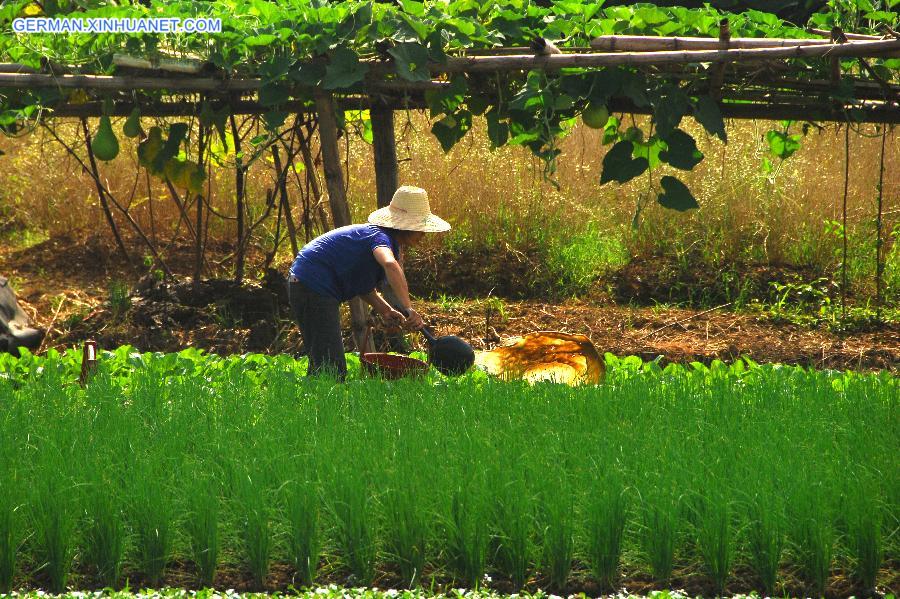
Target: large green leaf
x,y
620,166
498,131
650,149
668,110
452,128
676,195
177,133
344,69
782,144
709,115
271,94
682,151
412,61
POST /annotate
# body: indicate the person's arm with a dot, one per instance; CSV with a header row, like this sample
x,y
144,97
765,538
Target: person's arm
x,y
394,273
384,309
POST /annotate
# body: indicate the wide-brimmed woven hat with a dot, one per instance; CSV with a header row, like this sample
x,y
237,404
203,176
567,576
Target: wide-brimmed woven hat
x,y
409,210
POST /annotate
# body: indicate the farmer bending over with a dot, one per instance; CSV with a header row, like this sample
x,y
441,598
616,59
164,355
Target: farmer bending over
x,y
351,261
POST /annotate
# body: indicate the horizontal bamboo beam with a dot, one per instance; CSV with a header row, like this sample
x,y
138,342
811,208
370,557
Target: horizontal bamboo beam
x,y
507,50
12,67
190,66
176,84
485,64
187,108
458,64
761,110
765,111
471,64
652,43
850,36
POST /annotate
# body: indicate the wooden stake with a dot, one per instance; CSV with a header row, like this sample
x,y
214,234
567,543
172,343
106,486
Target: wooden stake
x,y
340,211
88,361
718,73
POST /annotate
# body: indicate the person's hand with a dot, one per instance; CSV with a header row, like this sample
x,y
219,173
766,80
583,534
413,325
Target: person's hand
x,y
392,318
413,320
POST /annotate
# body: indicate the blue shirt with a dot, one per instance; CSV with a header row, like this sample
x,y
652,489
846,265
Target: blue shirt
x,y
341,263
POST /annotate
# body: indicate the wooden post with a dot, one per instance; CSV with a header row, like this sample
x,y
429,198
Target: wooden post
x,y
387,180
340,211
384,147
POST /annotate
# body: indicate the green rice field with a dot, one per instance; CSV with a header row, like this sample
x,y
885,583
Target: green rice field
x,y
206,469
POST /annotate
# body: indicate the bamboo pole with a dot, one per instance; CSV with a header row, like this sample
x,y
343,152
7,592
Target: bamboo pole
x,y
850,36
10,78
491,64
190,66
12,67
813,109
469,64
652,43
186,108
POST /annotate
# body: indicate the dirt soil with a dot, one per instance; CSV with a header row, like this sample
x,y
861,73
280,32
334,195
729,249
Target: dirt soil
x,y
63,284
691,581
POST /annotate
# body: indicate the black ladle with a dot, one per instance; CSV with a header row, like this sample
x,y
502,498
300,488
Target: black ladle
x,y
450,354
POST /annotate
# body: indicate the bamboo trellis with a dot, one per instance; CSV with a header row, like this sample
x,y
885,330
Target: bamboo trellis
x,y
752,78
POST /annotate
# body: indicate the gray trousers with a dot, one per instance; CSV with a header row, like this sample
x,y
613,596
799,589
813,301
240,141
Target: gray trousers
x,y
319,319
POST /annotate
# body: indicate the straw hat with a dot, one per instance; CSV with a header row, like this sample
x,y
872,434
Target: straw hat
x,y
409,210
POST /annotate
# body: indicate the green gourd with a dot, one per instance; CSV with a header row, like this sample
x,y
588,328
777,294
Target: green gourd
x,y
132,127
105,145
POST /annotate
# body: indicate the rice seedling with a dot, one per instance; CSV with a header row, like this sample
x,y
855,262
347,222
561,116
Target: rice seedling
x,y
202,526
658,537
53,520
512,530
606,513
557,535
9,533
151,513
655,470
813,539
863,513
466,537
104,537
765,535
256,528
407,532
352,509
301,509
715,538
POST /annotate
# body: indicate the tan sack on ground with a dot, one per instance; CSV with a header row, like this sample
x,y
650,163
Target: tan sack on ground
x,y
545,356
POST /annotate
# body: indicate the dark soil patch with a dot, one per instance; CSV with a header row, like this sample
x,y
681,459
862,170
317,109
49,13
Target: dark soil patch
x,y
663,279
477,272
64,287
691,581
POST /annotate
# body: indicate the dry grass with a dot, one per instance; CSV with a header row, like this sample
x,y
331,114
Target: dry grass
x,y
499,197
